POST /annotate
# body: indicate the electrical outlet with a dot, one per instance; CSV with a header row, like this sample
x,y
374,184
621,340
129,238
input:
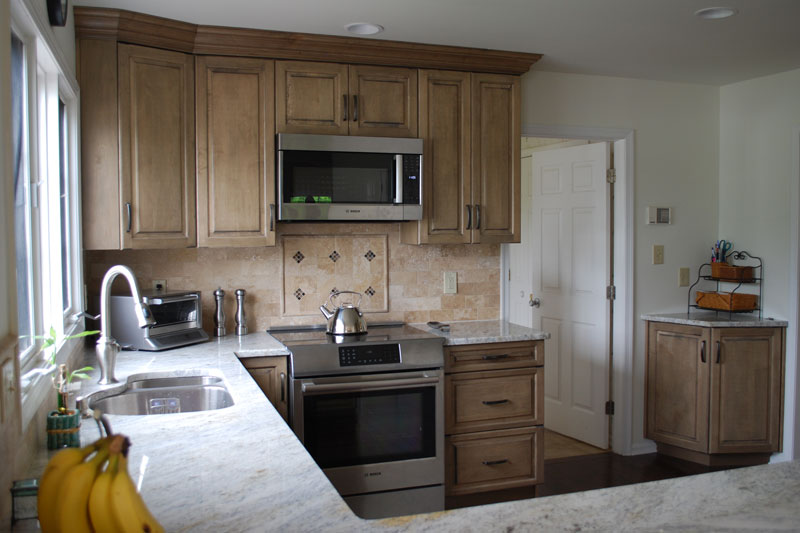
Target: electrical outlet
x,y
683,277
658,254
159,285
450,283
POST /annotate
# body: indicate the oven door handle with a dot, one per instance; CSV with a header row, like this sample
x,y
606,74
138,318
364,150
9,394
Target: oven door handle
x,y
322,388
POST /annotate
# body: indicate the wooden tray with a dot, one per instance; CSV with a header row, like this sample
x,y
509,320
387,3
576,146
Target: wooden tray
x,y
725,271
726,301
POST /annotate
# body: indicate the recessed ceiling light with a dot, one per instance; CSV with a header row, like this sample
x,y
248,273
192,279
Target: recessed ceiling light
x,y
363,28
711,13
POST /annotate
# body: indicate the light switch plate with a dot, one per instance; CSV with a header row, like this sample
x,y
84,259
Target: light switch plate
x,y
683,277
658,254
450,282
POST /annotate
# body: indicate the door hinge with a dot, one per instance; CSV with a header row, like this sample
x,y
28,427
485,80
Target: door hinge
x,y
509,274
609,407
611,292
611,175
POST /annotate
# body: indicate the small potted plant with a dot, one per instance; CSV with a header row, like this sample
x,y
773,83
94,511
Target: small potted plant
x,y
63,424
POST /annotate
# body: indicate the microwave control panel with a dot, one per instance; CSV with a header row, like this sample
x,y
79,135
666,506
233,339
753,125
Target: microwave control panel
x,y
412,172
370,354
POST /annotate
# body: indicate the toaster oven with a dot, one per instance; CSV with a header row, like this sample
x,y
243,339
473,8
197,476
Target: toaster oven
x,y
178,319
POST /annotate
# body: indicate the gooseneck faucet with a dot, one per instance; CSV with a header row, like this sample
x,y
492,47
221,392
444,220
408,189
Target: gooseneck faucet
x,y
107,347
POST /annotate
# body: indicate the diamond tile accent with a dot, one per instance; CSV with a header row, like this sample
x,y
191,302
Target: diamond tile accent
x,y
370,290
298,256
335,256
369,255
299,293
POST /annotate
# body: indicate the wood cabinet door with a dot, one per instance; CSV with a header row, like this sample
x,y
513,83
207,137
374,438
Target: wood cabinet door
x,y
746,406
444,121
495,158
311,98
156,132
271,376
383,101
235,152
677,385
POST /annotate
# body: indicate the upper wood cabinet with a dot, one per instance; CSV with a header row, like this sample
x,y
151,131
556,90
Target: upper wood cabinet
x,y
235,152
715,395
156,132
332,98
470,124
137,146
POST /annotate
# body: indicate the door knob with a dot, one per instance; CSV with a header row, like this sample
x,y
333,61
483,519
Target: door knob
x,y
534,302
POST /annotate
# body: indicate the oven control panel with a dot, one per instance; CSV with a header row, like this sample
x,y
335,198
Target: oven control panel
x,y
370,354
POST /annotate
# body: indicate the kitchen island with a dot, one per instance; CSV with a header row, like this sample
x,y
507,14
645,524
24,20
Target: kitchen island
x,y
242,469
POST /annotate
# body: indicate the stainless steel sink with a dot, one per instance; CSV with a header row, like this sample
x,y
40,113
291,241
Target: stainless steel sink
x,y
158,394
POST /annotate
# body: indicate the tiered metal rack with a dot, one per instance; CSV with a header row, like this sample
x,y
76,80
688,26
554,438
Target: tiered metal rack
x,y
704,274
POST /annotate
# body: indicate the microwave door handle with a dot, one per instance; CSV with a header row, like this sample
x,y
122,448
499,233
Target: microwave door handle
x,y
398,179
162,301
324,388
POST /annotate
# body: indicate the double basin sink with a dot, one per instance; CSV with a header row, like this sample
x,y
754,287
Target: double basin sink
x,y
159,393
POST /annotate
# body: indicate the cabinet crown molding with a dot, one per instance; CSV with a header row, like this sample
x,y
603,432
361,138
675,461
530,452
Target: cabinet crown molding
x,y
147,30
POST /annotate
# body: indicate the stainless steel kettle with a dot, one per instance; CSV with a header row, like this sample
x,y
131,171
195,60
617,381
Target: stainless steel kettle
x,y
347,319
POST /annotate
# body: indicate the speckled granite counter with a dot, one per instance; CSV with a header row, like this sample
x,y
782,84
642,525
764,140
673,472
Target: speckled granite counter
x,y
710,319
484,331
242,469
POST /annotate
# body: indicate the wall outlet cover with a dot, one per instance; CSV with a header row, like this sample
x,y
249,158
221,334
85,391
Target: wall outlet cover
x,y
450,282
683,277
159,285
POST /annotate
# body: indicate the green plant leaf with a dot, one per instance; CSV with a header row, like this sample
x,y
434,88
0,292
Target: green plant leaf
x,y
82,334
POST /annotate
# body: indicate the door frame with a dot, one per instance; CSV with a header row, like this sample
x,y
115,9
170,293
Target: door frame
x,y
623,377
791,422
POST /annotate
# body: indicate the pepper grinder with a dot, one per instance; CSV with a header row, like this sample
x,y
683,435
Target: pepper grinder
x,y
219,314
241,319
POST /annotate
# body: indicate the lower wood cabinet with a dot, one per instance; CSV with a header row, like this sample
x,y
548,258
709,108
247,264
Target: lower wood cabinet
x,y
715,395
270,373
494,416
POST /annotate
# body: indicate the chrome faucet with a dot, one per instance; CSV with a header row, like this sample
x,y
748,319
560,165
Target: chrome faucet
x,y
107,347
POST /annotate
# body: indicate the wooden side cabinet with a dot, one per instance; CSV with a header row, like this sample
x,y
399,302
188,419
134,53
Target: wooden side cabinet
x,y
336,99
715,395
271,375
235,151
494,416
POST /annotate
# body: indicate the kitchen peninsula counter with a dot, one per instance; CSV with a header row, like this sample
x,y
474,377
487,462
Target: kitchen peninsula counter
x,y
484,332
242,469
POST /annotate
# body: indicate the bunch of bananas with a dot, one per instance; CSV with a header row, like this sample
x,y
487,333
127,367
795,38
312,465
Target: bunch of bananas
x,y
77,494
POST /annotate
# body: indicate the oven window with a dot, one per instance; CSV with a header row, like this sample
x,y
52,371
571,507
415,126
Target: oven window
x,y
338,177
174,312
370,427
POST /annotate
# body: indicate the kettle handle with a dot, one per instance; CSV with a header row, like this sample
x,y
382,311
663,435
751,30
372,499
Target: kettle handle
x,y
337,293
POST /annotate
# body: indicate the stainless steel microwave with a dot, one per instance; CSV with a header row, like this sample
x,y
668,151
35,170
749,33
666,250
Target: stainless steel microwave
x,y
338,177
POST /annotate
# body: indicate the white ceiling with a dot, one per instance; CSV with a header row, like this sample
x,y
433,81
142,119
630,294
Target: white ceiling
x,y
649,39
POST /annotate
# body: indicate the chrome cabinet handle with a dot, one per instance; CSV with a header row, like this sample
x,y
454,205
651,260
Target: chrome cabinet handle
x,y
344,97
129,212
477,216
494,402
498,462
283,386
495,357
703,352
719,350
272,217
469,217
355,108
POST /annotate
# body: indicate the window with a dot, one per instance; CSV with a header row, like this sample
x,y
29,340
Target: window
x,y
46,219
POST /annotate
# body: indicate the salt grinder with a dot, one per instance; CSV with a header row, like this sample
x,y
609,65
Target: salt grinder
x,y
219,314
241,320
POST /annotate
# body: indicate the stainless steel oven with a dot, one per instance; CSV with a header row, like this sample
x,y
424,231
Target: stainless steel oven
x,y
371,414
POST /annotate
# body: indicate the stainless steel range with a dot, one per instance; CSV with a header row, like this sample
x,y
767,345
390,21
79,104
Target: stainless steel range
x,y
369,409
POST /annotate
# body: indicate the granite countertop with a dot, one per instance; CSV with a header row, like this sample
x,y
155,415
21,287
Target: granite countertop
x,y
711,319
484,331
242,469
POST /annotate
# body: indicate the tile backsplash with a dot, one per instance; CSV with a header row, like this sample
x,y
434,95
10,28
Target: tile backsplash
x,y
407,280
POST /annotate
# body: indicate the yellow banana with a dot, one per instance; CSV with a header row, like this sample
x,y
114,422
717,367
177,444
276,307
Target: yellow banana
x,y
130,511
100,513
52,478
73,499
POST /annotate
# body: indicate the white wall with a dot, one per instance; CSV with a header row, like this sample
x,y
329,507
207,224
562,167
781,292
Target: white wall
x,y
757,190
676,165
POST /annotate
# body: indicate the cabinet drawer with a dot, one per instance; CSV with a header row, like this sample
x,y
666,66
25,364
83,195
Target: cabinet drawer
x,y
494,400
494,460
493,356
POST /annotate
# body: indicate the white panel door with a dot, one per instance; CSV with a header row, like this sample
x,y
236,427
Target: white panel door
x,y
520,255
569,269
